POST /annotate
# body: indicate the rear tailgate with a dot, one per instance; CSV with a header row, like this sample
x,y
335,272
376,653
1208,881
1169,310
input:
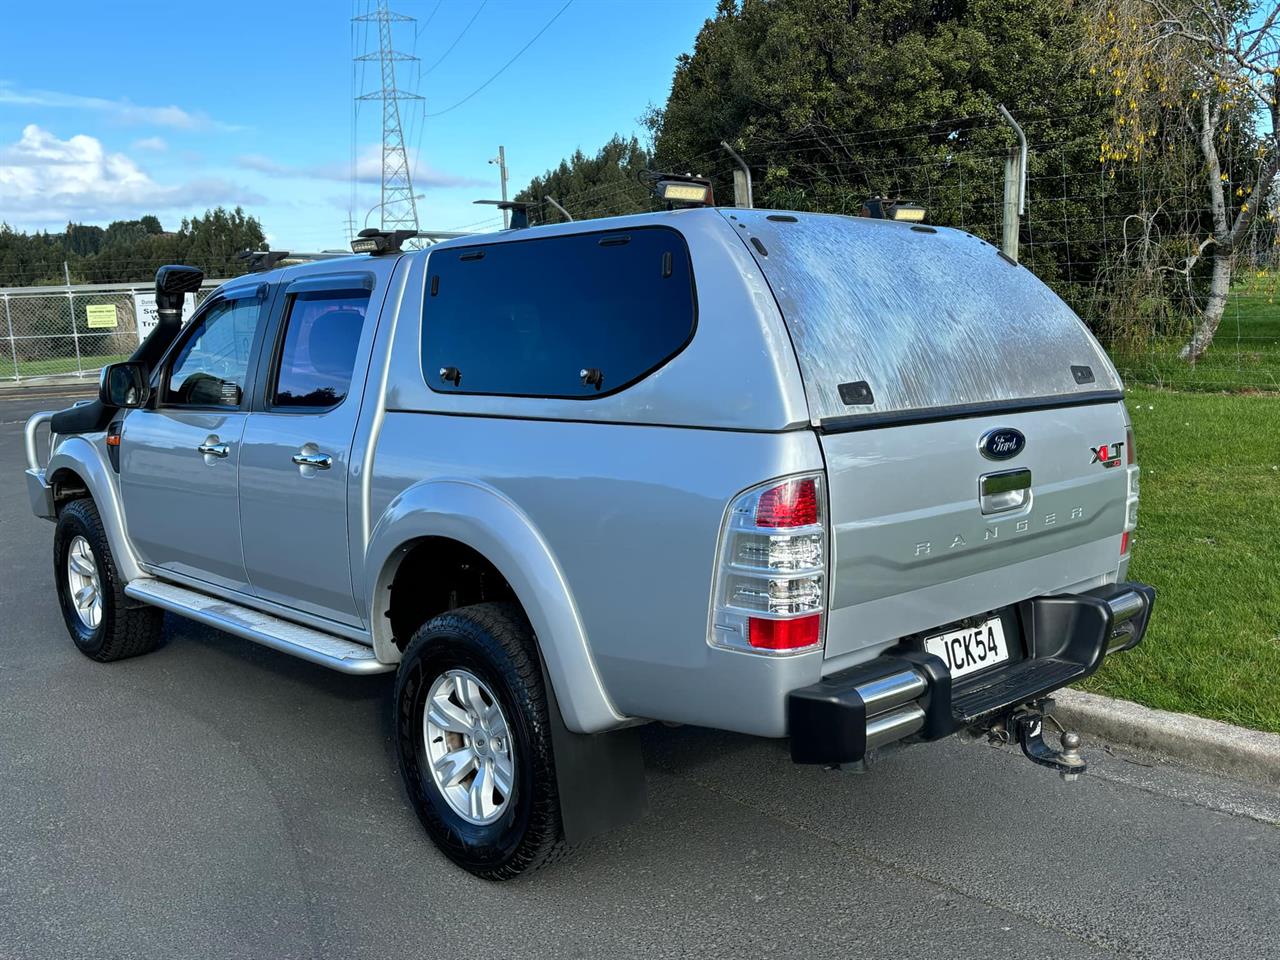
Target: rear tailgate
x,y
912,547
913,344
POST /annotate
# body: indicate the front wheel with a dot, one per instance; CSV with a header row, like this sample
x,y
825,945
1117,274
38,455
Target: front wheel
x,y
104,624
473,738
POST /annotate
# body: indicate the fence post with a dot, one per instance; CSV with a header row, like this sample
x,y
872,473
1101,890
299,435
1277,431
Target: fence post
x,y
741,179
75,334
13,343
1009,221
1015,189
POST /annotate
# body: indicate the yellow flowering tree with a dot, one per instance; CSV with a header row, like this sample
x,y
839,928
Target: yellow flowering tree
x,y
1195,66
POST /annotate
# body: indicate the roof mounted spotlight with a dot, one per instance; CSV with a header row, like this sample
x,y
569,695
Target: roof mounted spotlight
x,y
882,208
683,190
260,261
519,211
377,242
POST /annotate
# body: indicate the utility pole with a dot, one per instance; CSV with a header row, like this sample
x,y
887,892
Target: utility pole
x,y
399,203
501,161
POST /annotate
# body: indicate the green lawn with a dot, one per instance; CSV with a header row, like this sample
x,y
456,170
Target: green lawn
x,y
58,365
1245,354
1209,540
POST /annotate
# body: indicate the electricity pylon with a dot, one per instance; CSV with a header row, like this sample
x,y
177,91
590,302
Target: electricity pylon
x,y
399,204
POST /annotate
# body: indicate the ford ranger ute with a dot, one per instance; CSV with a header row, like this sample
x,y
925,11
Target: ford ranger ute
x,y
848,481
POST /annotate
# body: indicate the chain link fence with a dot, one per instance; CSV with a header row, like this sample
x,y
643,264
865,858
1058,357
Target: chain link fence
x,y
58,332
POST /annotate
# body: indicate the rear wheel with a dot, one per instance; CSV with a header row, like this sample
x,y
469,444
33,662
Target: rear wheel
x,y
104,623
474,741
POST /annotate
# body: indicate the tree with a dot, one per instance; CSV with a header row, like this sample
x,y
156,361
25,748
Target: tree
x,y
1209,68
605,184
832,101
129,250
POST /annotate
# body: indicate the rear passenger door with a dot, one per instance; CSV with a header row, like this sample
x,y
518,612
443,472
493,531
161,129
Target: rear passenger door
x,y
296,449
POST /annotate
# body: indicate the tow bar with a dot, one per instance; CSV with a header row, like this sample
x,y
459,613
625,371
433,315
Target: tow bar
x,y
1026,726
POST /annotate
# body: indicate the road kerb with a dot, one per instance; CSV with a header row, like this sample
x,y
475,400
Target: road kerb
x,y
1208,744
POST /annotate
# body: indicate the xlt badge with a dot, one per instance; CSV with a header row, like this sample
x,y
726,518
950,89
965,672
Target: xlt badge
x,y
1109,454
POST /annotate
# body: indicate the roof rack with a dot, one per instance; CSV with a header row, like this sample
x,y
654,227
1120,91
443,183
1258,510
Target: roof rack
x,y
519,210
376,242
262,260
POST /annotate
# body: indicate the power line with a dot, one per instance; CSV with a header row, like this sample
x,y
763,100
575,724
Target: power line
x,y
501,69
458,37
427,21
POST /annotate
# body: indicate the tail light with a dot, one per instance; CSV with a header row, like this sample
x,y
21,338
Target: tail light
x,y
770,586
1131,500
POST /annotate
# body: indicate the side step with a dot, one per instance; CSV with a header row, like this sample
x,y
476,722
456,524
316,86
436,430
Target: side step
x,y
336,653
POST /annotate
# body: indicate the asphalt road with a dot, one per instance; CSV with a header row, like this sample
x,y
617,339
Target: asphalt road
x,y
216,799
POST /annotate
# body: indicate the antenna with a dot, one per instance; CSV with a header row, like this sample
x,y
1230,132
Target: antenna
x,y
399,203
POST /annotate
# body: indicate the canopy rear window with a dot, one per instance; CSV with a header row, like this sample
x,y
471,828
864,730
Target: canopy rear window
x,y
577,316
888,319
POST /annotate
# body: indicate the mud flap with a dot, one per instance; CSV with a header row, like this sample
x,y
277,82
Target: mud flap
x,y
600,776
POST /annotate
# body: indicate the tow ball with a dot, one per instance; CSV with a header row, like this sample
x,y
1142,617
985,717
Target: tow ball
x,y
1026,726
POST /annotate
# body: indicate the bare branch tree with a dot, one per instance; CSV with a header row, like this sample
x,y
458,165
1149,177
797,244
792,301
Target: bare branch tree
x,y
1199,65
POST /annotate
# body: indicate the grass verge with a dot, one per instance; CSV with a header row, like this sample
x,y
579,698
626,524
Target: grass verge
x,y
59,365
1209,540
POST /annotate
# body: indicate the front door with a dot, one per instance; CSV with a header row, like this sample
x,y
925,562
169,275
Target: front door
x,y
297,448
180,457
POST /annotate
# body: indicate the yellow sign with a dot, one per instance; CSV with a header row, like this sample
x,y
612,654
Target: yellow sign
x,y
100,315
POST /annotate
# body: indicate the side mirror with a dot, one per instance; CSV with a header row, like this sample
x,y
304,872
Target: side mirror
x,y
124,385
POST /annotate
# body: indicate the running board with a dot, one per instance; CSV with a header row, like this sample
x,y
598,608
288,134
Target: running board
x,y
345,656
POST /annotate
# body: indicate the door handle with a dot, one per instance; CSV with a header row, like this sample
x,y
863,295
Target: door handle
x,y
321,461
220,450
1009,490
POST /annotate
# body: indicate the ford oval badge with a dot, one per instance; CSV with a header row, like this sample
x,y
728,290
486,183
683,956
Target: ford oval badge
x,y
1002,443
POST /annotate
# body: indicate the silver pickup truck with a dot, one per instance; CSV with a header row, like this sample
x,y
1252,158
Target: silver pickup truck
x,y
847,481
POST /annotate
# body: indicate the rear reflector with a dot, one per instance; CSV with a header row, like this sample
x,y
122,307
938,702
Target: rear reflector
x,y
790,504
784,634
1124,543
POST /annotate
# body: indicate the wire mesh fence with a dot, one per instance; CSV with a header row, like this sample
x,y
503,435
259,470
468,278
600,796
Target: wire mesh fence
x,y
1114,240
53,332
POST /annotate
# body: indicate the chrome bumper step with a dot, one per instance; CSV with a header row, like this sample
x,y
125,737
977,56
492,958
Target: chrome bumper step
x,y
314,646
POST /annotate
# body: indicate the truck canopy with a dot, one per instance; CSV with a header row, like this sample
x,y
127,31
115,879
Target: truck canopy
x,y
892,322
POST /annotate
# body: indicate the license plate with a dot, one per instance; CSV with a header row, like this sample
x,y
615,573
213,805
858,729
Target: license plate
x,y
971,650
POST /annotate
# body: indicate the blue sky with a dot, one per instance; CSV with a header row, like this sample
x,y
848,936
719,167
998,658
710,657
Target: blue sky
x,y
113,110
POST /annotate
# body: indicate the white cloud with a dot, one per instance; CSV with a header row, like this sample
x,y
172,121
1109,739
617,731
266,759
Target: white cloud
x,y
368,169
45,180
124,111
151,144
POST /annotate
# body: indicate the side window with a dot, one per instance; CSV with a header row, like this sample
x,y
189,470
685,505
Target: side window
x,y
575,316
211,367
318,354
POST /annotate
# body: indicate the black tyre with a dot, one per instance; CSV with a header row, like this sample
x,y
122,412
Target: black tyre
x,y
473,739
104,623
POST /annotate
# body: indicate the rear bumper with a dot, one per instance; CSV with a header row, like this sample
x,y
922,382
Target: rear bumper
x,y
907,693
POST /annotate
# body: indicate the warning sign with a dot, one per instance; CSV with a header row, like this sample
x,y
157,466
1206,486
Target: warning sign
x,y
101,315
